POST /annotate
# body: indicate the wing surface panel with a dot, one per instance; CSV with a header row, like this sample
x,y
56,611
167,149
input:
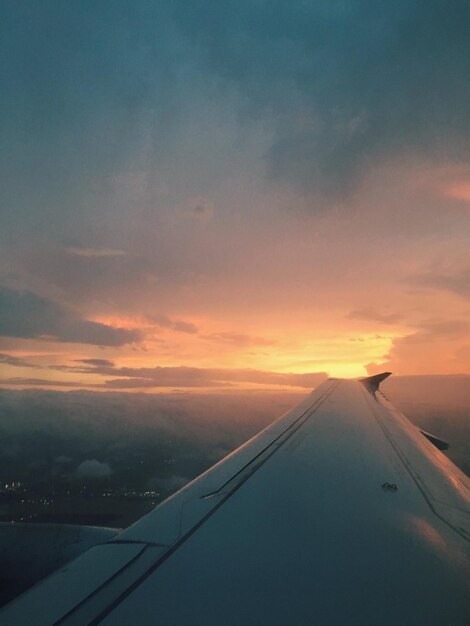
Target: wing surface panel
x,y
313,537
174,517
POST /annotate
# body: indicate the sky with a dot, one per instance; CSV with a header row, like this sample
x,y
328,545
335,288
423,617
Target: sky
x,y
222,195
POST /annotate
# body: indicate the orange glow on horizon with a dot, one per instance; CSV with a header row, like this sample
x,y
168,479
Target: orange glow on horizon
x,y
344,355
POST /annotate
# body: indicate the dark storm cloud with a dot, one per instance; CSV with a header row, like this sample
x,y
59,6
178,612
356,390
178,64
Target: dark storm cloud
x,y
75,79
343,85
27,315
346,82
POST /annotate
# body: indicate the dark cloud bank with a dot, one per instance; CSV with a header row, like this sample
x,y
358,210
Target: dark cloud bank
x,y
64,443
24,314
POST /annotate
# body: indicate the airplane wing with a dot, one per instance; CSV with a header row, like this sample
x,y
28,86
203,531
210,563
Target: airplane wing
x,y
340,512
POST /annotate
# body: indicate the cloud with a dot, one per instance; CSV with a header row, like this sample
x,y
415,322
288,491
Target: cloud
x,y
239,339
444,329
27,315
92,468
42,382
307,380
435,347
8,359
346,84
152,383
179,325
199,377
226,337
148,377
338,86
91,253
185,327
457,282
96,362
370,314
125,126
156,376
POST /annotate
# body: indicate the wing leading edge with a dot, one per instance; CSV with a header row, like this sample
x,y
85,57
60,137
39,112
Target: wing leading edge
x,y
340,511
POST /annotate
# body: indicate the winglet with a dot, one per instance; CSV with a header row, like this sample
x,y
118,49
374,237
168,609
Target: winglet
x,y
372,382
439,443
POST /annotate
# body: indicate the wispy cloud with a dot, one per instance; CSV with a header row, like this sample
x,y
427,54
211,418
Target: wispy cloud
x,y
174,324
91,253
370,314
96,362
14,361
456,281
43,382
239,339
174,377
148,377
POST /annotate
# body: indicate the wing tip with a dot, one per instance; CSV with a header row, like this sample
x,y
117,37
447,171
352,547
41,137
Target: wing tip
x,y
439,443
373,382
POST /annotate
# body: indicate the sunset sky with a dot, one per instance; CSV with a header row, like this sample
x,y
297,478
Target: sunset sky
x,y
223,195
